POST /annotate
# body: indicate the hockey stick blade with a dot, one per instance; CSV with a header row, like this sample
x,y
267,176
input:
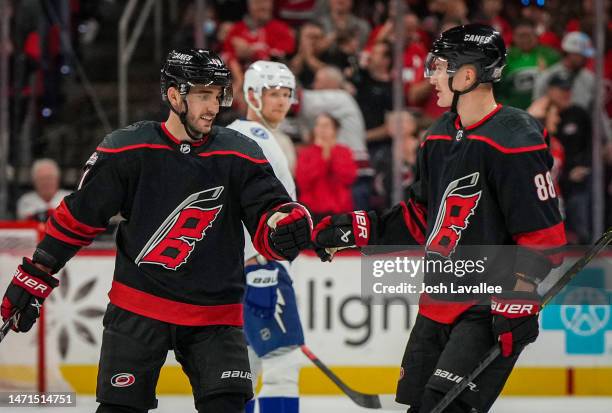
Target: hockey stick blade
x,y
369,401
495,351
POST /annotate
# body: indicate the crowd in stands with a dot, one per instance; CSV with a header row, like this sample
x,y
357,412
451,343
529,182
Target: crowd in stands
x,y
344,124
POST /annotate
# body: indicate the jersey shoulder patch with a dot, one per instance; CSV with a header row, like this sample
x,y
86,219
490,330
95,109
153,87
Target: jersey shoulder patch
x,y
259,132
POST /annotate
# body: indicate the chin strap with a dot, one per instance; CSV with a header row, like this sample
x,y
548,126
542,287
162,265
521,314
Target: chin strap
x,y
191,132
457,93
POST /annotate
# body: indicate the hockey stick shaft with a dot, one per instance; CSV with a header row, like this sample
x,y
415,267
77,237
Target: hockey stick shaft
x,y
6,327
495,351
370,401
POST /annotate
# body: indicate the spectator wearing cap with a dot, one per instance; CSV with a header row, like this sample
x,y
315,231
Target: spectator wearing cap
x,y
46,195
577,49
572,127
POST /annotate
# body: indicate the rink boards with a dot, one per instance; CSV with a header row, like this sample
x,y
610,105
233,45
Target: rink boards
x,y
362,342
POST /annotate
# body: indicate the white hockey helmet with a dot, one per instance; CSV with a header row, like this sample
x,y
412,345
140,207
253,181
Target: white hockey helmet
x,y
265,74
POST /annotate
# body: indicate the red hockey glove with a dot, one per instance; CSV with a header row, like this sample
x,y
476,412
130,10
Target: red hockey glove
x,y
26,293
515,320
283,232
341,231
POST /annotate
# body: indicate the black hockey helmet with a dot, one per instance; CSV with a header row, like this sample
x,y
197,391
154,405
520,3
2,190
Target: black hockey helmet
x,y
476,44
185,68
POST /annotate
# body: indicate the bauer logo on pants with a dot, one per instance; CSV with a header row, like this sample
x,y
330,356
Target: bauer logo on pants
x,y
122,380
236,374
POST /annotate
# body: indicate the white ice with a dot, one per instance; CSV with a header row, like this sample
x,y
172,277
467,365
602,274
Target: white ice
x,y
343,405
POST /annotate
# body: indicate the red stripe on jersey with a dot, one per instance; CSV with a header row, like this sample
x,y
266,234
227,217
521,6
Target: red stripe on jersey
x,y
241,155
64,217
436,138
179,142
57,234
414,229
445,312
169,135
551,237
504,149
480,122
132,147
174,312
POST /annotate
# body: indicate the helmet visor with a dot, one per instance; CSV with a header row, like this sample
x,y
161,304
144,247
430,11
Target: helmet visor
x,y
227,93
435,64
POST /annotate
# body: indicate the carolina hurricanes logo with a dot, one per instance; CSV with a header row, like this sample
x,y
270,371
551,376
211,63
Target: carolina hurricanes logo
x,y
122,380
455,209
175,239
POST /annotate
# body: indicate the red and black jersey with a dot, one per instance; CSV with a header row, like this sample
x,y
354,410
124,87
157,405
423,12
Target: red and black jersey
x,y
488,184
180,248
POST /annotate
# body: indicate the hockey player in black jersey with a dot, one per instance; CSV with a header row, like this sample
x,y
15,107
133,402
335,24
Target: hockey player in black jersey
x,y
185,188
483,179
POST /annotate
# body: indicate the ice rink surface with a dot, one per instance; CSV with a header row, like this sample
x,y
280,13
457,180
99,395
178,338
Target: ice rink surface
x,y
181,404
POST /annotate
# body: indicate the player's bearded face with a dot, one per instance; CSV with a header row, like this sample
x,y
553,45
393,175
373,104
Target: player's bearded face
x,y
275,104
438,77
203,103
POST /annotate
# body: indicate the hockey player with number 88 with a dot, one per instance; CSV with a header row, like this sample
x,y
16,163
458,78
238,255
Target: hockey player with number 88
x,y
483,179
271,321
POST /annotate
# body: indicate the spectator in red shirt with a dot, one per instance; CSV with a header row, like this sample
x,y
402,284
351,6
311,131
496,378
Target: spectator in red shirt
x,y
258,36
325,171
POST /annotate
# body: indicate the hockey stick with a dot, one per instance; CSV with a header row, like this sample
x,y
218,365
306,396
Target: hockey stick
x,y
6,327
495,351
369,401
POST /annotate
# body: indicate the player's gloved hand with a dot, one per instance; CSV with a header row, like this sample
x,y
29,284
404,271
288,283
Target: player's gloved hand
x,y
341,231
515,320
283,232
262,281
26,293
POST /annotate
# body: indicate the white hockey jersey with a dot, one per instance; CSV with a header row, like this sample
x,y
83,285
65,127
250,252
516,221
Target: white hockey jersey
x,y
275,155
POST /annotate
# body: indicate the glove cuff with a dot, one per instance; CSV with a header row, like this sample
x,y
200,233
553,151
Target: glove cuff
x,y
515,304
361,228
34,280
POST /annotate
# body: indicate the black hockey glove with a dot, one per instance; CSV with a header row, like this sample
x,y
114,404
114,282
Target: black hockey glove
x,y
283,232
26,293
337,232
515,320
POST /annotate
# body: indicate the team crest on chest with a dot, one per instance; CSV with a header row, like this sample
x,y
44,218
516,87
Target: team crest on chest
x,y
185,148
175,239
458,204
